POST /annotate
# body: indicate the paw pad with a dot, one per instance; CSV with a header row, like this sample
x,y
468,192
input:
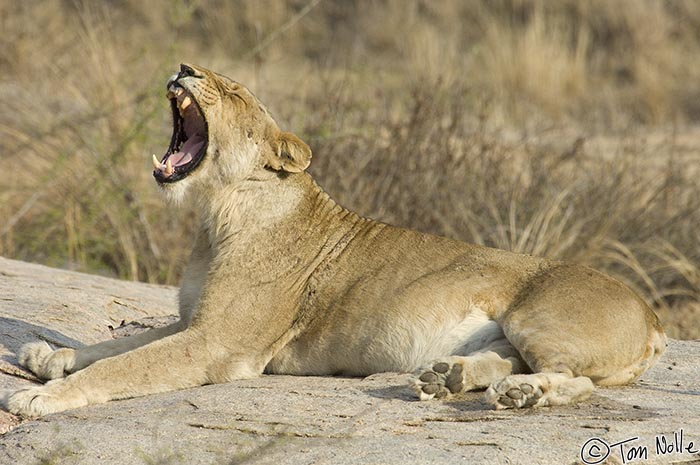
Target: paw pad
x,y
516,394
441,367
439,380
508,393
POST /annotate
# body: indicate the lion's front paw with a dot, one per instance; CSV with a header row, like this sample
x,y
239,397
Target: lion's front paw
x,y
440,379
45,362
41,400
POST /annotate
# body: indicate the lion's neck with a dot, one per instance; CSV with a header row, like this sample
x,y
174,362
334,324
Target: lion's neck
x,y
242,211
276,210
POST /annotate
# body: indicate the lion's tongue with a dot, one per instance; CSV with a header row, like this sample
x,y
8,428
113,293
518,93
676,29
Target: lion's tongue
x,y
190,148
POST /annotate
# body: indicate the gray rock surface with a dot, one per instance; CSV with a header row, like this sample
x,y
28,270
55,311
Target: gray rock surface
x,y
308,420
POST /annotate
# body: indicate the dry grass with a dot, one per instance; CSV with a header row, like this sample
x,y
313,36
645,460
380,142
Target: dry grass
x,y
566,129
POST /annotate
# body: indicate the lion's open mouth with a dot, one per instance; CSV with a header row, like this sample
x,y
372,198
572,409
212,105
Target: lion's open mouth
x,y
189,141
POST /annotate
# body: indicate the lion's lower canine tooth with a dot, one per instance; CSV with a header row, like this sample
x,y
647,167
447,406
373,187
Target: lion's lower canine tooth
x,y
169,167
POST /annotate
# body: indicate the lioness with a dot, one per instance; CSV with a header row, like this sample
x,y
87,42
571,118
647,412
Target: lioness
x,y
284,280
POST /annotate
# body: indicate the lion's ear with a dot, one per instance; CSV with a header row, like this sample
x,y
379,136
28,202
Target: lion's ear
x,y
290,154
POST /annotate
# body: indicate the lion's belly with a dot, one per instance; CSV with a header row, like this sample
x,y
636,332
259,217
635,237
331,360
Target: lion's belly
x,y
359,345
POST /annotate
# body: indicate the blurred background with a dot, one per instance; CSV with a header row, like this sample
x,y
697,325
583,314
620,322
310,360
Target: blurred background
x,y
567,129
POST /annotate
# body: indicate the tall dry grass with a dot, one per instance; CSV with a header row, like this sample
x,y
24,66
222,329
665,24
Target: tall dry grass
x,y
565,129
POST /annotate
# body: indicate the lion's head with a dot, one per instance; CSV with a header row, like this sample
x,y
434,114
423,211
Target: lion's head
x,y
222,135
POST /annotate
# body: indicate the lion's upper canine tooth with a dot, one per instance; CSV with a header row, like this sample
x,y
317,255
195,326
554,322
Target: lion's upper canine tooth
x,y
173,91
156,164
185,103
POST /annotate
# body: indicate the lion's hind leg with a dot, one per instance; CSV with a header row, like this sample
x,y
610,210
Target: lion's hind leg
x,y
559,388
575,328
538,390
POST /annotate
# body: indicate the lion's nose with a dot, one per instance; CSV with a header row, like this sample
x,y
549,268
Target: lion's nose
x,y
186,71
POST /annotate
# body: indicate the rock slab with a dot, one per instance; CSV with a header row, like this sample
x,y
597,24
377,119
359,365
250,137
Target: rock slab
x,y
313,420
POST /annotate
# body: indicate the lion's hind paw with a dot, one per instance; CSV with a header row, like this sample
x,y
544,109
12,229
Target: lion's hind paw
x,y
439,379
514,392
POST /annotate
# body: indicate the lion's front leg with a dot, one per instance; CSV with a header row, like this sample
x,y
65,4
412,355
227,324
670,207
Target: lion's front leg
x,y
49,364
55,396
175,362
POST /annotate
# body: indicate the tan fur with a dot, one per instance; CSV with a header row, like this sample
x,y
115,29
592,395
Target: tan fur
x,y
284,280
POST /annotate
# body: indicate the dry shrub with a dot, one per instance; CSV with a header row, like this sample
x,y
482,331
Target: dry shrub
x,y
541,61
